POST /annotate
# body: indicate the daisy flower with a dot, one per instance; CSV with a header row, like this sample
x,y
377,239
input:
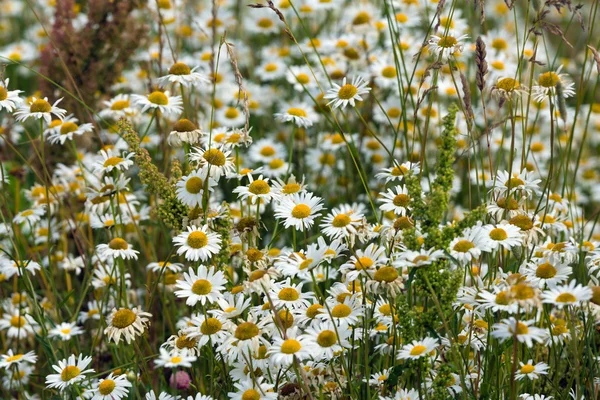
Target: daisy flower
x,y
204,330
201,286
190,188
185,131
197,243
548,85
18,325
524,331
342,222
572,294
9,99
182,74
110,161
216,159
290,296
67,130
417,349
65,331
116,248
327,340
543,273
126,322
178,359
284,351
419,258
503,235
299,210
398,172
117,107
347,93
31,215
159,101
523,182
300,114
447,45
469,245
397,202
345,313
257,190
530,370
40,109
70,371
10,358
254,389
113,387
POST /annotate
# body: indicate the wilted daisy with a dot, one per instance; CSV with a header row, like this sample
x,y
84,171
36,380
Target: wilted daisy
x,y
204,285
182,74
117,248
197,243
70,371
417,349
40,109
113,387
185,131
572,294
159,101
347,93
299,210
9,99
127,323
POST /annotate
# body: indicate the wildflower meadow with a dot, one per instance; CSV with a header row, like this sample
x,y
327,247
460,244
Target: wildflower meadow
x,y
299,199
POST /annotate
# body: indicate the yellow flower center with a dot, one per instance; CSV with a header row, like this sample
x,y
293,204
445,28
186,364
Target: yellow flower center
x,y
527,369
106,387
231,113
68,127
290,346
246,331
388,72
313,311
123,318
251,394
288,294
341,311
302,78
508,84
447,41
215,157
341,220
158,98
548,79
259,186
286,318
297,112
40,106
69,373
112,161
118,244
291,188
463,246
386,274
326,338
545,271
566,298
201,287
119,105
301,211
347,91
522,329
270,67
393,113
3,93
363,263
197,240
265,23
361,18
210,326
194,185
418,350
16,357
498,234
401,200
179,69
522,221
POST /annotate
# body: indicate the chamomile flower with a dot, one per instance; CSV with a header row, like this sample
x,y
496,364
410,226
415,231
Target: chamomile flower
x,y
216,160
181,74
545,272
300,114
326,340
9,99
39,109
116,248
206,329
65,331
397,201
347,93
197,243
70,372
503,235
290,296
117,107
11,358
294,346
299,210
571,294
530,370
257,190
126,323
523,330
67,130
190,188
113,387
185,131
177,359
204,285
469,245
447,45
345,313
254,389
553,83
159,101
417,349
31,215
112,161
